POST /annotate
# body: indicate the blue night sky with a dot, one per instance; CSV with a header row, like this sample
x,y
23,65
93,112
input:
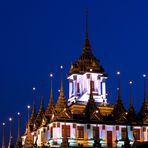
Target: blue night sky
x,y
36,37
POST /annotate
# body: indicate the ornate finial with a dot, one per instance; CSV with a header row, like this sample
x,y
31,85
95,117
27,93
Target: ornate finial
x,y
3,138
18,124
10,138
131,100
28,107
87,23
61,88
145,95
51,92
51,100
118,89
86,44
18,142
34,89
34,100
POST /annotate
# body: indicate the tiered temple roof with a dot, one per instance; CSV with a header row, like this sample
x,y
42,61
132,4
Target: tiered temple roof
x,y
87,60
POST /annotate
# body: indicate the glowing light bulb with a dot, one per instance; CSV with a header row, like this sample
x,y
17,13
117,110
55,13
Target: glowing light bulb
x,y
33,88
144,75
118,72
130,82
10,119
61,67
28,106
3,124
18,113
51,75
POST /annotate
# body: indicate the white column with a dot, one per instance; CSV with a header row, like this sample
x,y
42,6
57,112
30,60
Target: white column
x,y
103,89
99,86
70,88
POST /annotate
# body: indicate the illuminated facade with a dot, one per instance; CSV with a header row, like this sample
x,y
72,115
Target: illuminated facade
x,y
87,119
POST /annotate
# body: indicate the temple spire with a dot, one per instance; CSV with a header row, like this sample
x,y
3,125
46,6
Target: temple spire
x,y
10,138
61,103
33,114
86,43
18,142
3,136
61,88
119,109
40,114
51,91
131,97
34,101
61,79
18,135
144,108
86,24
145,95
131,115
118,88
51,99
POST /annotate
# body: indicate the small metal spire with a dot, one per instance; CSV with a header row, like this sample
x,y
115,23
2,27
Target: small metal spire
x,y
18,135
10,138
3,136
118,89
131,98
145,95
34,99
86,44
18,141
61,88
28,107
51,91
86,23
